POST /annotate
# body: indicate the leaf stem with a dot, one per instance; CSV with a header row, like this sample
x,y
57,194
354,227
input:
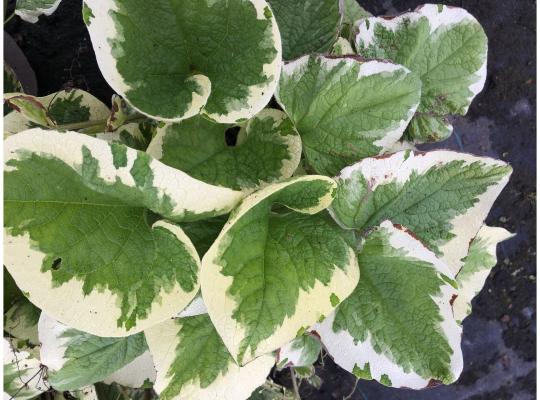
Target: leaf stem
x,y
295,384
9,18
91,124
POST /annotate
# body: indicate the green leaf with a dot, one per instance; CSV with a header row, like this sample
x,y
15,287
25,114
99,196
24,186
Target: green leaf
x,y
270,150
270,274
11,84
397,326
352,13
442,196
307,26
477,265
301,352
77,227
30,10
349,109
30,107
193,363
272,391
20,321
23,374
60,108
342,47
203,233
172,60
446,47
75,359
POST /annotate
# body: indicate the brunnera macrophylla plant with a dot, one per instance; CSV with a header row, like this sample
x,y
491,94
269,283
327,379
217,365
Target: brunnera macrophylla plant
x,y
195,235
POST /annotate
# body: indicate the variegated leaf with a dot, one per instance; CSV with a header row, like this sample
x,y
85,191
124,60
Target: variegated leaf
x,y
77,227
349,109
75,359
441,196
397,327
270,150
270,274
303,351
30,10
446,47
219,57
193,363
482,257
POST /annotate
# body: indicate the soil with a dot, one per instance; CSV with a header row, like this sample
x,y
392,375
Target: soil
x,y
499,338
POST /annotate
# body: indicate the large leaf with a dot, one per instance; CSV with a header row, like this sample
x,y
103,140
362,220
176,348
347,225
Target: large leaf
x,y
270,150
193,363
397,326
75,359
442,196
78,228
446,47
346,109
30,10
270,274
477,265
60,108
23,374
307,26
172,60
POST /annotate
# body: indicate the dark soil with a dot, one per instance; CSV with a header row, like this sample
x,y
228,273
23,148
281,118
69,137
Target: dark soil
x,y
499,339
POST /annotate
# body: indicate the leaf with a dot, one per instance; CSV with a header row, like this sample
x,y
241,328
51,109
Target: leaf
x,y
303,351
441,196
193,363
269,274
121,111
272,391
270,150
75,359
477,265
30,108
349,110
78,228
30,10
352,12
397,327
20,321
306,26
60,108
203,233
446,47
11,84
221,58
23,374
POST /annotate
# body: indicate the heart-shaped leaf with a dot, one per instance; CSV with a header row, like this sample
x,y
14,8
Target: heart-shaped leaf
x,y
193,363
270,150
346,109
397,326
270,274
446,47
78,228
172,60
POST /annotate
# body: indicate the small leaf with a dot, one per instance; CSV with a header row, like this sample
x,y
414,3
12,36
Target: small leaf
x,y
352,13
301,352
270,274
20,321
75,359
306,26
193,363
30,107
11,85
446,47
60,108
477,265
24,377
342,47
397,327
30,10
76,228
270,150
442,196
350,109
221,58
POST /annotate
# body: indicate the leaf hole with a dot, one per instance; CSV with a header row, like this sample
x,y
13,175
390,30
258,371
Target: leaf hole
x,y
231,135
56,264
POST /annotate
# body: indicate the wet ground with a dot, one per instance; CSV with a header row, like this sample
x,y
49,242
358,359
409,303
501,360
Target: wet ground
x,y
499,340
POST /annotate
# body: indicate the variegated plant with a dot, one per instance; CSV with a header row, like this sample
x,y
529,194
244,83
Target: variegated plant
x,y
198,234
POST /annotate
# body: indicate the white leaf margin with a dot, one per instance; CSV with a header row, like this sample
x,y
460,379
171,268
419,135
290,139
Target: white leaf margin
x,y
347,354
